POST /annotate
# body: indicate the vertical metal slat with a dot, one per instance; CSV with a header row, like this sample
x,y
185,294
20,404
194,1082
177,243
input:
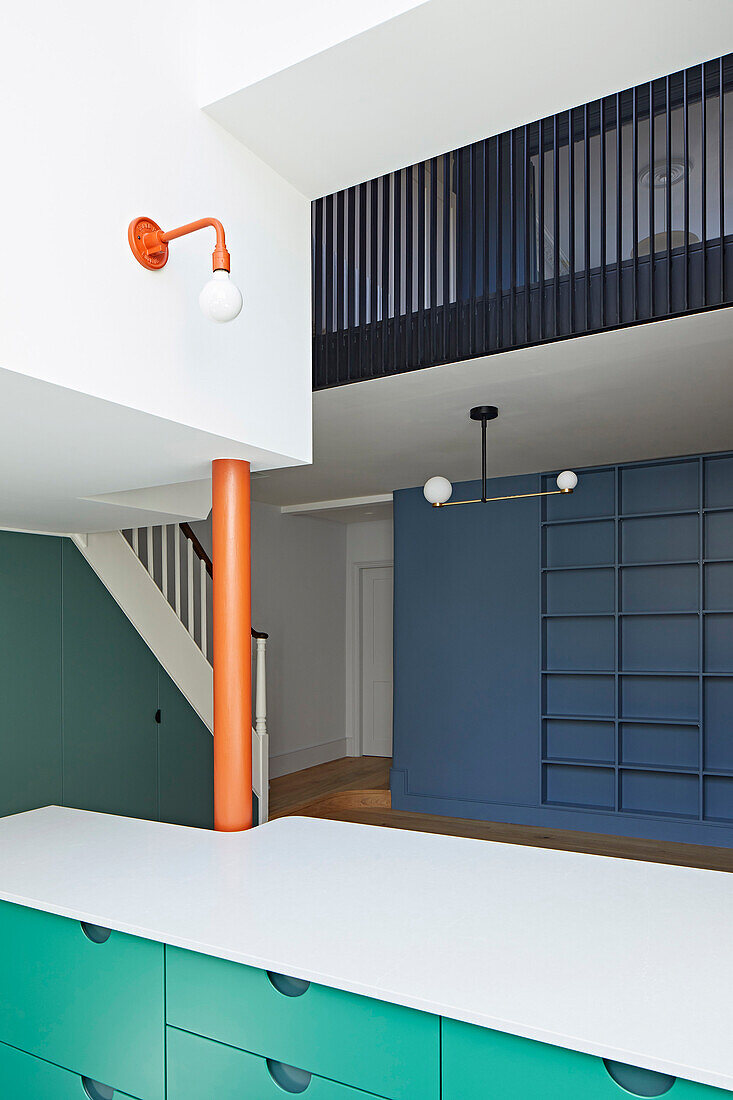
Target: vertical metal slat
x,y
721,175
586,215
397,261
420,261
635,196
652,223
619,207
446,252
571,215
603,214
385,269
556,223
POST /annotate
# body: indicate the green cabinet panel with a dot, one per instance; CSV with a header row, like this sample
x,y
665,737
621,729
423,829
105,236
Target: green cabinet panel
x,y
110,699
23,1077
199,1069
369,1044
93,1008
186,761
480,1064
30,671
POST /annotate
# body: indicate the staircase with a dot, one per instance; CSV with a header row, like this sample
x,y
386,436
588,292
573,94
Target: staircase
x,y
161,577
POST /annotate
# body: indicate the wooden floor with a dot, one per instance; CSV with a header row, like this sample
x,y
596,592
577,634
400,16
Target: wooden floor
x,y
357,789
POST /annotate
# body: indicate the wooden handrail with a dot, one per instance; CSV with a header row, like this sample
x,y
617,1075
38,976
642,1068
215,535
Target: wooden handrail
x,y
200,552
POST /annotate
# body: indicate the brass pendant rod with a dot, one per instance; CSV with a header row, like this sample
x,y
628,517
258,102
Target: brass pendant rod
x,y
515,496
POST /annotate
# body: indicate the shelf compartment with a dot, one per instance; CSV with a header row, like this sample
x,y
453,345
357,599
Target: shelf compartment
x,y
582,591
660,643
718,649
660,539
586,643
656,588
591,742
718,798
660,697
659,487
659,793
718,586
580,786
719,536
574,695
659,745
718,480
595,496
584,544
718,710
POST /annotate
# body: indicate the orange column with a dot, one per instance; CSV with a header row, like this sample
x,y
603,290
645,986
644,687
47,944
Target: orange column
x,y
232,646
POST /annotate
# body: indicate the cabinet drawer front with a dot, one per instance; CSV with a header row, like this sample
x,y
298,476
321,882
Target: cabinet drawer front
x,y
23,1077
95,1008
374,1046
199,1068
479,1064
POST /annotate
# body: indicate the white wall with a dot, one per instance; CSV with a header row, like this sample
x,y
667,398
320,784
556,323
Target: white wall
x,y
100,124
259,40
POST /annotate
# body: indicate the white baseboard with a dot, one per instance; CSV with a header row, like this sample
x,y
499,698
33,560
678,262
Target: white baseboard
x,y
288,762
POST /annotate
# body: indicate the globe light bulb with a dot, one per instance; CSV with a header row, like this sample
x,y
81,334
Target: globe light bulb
x,y
566,481
437,490
220,299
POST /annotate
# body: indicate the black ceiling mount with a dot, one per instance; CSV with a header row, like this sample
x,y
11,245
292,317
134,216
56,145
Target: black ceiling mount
x,y
484,412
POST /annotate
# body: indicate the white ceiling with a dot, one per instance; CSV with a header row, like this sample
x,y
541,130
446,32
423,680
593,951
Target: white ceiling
x,y
649,391
450,72
59,449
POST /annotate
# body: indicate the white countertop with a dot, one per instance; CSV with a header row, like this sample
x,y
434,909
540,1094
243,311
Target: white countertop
x,y
628,960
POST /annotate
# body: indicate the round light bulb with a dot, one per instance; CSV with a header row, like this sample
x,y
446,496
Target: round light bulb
x,y
220,299
437,490
566,481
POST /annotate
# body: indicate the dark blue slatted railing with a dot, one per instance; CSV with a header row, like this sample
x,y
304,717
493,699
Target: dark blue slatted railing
x,y
554,229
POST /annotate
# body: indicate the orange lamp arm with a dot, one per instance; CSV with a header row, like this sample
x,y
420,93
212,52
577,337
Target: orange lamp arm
x,y
149,243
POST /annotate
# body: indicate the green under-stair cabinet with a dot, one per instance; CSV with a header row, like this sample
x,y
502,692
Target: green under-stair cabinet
x,y
93,1008
479,1064
380,1048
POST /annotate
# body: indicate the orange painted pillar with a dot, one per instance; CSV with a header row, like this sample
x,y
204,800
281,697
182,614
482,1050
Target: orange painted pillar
x,y
232,646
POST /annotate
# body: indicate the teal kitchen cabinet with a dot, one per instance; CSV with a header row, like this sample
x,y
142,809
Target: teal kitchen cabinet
x,y
368,1044
480,1064
24,1077
95,1008
199,1068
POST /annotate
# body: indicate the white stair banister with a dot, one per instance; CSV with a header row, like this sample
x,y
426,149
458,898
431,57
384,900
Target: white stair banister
x,y
261,724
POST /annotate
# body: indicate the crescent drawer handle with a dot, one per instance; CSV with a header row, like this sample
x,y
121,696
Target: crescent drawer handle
x,y
289,987
639,1082
97,933
288,1078
95,1090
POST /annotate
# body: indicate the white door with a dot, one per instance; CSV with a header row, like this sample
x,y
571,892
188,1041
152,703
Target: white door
x,y
376,660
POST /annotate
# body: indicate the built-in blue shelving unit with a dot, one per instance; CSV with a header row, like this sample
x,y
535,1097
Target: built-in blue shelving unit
x,y
636,684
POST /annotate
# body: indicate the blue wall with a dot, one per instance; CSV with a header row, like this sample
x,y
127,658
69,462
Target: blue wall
x,y
568,661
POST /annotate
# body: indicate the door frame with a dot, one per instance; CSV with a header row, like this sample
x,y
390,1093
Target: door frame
x,y
353,651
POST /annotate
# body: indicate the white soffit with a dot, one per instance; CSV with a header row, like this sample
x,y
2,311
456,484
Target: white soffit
x,y
450,72
649,391
71,462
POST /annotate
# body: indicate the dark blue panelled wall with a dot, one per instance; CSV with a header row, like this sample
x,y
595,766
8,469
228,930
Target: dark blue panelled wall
x,y
568,661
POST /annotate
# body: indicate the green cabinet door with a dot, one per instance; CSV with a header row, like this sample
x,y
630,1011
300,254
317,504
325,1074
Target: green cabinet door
x,y
381,1048
110,682
23,1077
30,671
199,1069
94,1008
480,1064
186,761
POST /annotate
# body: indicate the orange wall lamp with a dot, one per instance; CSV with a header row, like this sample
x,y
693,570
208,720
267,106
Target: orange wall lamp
x,y
220,299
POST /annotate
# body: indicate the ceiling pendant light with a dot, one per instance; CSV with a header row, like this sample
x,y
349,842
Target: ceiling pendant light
x,y
438,490
221,299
